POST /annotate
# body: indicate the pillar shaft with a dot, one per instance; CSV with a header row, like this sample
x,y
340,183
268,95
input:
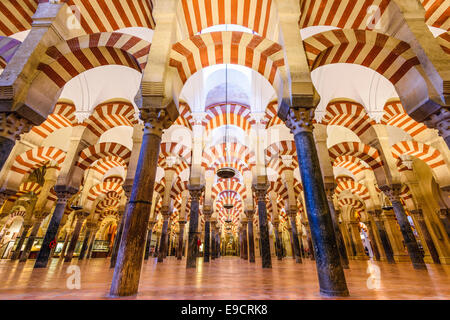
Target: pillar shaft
x,y
163,241
74,240
52,229
191,261
149,243
385,241
339,238
116,245
180,241
251,240
29,244
278,245
261,192
328,262
295,242
207,241
84,248
427,236
127,271
23,236
373,242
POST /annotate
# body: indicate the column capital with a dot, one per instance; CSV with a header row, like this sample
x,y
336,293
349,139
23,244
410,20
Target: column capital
x,y
64,194
182,222
329,190
13,125
165,212
260,190
443,213
196,191
127,188
440,120
156,120
81,215
392,191
300,119
91,225
207,212
292,213
250,214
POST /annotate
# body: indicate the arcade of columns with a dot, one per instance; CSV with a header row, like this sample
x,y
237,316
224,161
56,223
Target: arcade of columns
x,y
312,175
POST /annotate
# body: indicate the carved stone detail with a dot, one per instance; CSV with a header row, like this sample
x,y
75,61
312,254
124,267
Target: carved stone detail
x,y
13,125
155,121
260,191
440,121
300,120
392,191
196,192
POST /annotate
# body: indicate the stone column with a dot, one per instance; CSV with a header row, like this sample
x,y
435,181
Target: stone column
x,y
163,240
29,245
444,217
309,240
217,229
207,213
181,224
87,237
278,244
418,216
294,235
393,193
356,239
195,192
148,245
328,262
81,216
128,267
213,242
91,243
64,194
251,239
329,189
372,239
25,228
384,237
65,244
261,192
155,254
12,125
112,262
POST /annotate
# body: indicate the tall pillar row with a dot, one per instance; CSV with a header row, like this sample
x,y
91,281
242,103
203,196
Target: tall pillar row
x,y
81,217
328,262
261,193
251,239
195,193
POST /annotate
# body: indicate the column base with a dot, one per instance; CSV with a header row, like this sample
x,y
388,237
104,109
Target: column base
x,y
402,258
361,258
444,260
331,294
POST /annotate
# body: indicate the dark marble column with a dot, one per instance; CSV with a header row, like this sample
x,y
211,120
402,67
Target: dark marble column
x,y
31,238
163,240
444,217
244,241
251,239
329,189
213,242
207,239
112,262
278,245
328,262
261,192
373,242
182,224
310,244
87,237
127,271
418,215
64,194
218,254
12,126
80,216
25,228
155,254
294,234
393,193
195,192
91,243
148,244
66,243
352,241
384,237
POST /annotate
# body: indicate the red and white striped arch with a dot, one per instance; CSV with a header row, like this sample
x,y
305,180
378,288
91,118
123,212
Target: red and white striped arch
x,y
105,204
355,203
25,188
178,187
260,54
104,188
358,150
185,118
258,15
342,14
107,16
37,157
102,150
103,165
351,163
347,183
228,162
63,116
68,59
396,116
350,115
386,55
279,188
8,47
271,116
109,115
437,13
229,184
431,156
15,16
231,114
235,149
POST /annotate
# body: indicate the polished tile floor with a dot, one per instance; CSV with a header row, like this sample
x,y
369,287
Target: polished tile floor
x,y
226,278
